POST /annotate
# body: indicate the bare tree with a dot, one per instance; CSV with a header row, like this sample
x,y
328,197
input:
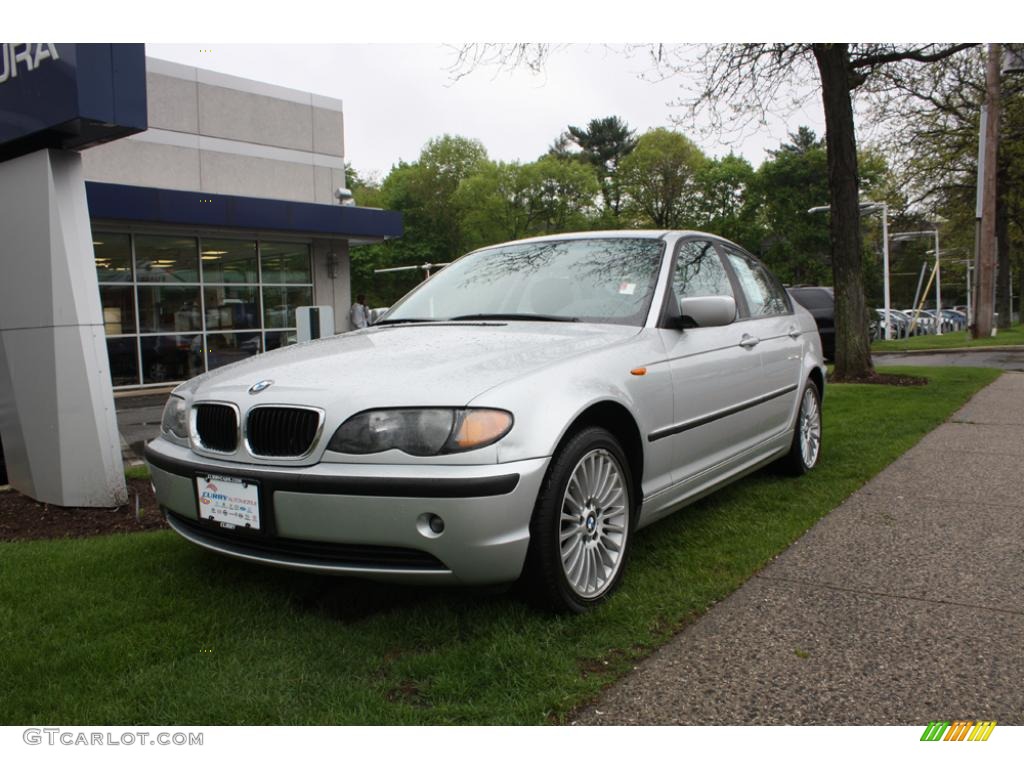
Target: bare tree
x,y
739,85
742,83
930,116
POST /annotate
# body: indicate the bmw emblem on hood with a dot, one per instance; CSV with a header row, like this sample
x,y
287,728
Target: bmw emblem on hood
x,y
259,386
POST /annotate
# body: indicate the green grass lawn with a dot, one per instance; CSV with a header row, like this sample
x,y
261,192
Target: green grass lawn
x,y
146,628
139,472
959,339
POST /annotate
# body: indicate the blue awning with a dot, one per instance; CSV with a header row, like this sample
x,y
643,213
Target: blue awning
x,y
196,209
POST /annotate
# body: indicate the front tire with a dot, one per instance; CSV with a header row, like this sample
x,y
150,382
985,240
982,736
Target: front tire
x,y
582,524
806,446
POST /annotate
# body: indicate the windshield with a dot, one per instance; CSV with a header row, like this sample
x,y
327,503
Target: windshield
x,y
600,280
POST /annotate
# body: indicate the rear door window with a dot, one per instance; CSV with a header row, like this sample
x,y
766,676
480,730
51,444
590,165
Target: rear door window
x,y
765,296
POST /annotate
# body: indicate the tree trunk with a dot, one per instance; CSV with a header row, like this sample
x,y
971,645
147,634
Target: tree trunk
x,y
853,351
984,287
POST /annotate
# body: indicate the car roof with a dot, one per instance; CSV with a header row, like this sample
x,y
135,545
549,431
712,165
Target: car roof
x,y
644,234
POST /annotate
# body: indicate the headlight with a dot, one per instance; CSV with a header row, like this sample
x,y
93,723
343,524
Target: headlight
x,y
421,431
175,419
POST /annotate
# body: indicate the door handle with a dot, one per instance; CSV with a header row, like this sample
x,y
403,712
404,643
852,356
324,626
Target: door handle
x,y
749,342
794,333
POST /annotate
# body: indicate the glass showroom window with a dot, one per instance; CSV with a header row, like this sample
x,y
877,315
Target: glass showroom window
x,y
231,297
113,254
287,284
170,308
175,305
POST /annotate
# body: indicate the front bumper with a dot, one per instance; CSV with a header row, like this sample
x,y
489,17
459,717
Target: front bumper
x,y
365,519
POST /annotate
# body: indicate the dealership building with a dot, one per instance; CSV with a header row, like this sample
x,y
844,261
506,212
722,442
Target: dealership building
x,y
215,223
157,221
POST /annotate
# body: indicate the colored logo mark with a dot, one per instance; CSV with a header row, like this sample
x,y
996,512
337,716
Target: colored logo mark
x,y
958,730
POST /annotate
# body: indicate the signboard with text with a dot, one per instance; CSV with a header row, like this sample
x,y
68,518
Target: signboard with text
x,y
69,95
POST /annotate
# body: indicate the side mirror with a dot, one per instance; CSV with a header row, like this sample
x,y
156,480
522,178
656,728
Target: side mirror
x,y
707,311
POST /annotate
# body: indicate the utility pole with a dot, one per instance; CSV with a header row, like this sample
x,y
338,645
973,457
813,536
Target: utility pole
x,y
985,284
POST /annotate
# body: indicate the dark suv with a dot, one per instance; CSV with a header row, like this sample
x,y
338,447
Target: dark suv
x,y
820,302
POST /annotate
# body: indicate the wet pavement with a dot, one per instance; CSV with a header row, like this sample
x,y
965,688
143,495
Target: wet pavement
x,y
138,420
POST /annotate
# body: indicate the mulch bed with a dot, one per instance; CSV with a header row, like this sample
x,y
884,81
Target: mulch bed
x,y
890,379
22,518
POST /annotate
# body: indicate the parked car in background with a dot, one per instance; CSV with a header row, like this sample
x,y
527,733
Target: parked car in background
x,y
939,322
821,303
521,413
899,325
957,321
921,322
914,328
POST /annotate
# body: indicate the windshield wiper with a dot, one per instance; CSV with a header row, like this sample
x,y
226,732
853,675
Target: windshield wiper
x,y
517,316
396,320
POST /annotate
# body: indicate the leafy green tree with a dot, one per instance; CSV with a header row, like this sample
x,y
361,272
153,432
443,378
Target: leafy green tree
x,y
495,203
425,193
563,195
505,201
793,179
659,178
725,204
604,143
365,191
795,243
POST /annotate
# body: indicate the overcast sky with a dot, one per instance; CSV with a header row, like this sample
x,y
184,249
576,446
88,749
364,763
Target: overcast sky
x,y
398,96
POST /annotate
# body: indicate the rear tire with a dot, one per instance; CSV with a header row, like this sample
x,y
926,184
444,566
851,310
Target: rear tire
x,y
582,524
806,446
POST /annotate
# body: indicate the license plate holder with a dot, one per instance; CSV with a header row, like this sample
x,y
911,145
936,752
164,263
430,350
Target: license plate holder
x,y
231,502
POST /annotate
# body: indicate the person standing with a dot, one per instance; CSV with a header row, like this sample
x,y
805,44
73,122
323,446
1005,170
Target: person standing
x,y
359,315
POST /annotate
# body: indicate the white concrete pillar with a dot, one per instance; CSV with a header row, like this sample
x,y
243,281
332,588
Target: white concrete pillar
x,y
57,417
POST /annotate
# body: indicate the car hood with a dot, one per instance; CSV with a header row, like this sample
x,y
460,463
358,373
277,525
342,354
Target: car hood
x,y
403,365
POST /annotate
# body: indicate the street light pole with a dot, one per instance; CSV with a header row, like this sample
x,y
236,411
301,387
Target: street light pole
x,y
970,302
938,286
868,206
885,267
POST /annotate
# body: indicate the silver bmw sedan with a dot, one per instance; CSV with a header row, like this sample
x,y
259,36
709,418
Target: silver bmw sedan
x,y
520,414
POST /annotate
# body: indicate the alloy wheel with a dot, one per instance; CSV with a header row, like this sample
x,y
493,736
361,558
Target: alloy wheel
x,y
594,523
810,428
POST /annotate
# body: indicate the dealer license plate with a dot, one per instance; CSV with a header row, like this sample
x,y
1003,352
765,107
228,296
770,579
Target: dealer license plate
x,y
230,501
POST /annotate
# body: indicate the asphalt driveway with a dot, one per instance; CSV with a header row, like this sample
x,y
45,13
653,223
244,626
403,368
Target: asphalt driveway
x,y
1006,358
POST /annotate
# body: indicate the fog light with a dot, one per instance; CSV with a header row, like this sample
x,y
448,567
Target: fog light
x,y
429,525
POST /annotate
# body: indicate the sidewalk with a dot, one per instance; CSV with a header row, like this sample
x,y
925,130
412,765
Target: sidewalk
x,y
903,605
